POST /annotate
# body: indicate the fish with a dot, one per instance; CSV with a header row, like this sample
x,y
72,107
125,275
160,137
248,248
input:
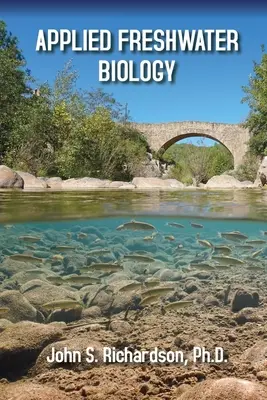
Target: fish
x,y
98,252
130,287
256,253
34,271
203,267
4,310
177,305
61,304
151,283
244,246
225,260
256,242
221,267
136,226
64,248
149,300
235,236
175,225
222,249
9,226
25,258
194,225
58,257
170,238
31,239
81,279
157,291
148,238
82,235
205,243
104,267
54,279
254,268
139,258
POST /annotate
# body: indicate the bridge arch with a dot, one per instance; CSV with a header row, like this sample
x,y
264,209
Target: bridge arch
x,y
232,136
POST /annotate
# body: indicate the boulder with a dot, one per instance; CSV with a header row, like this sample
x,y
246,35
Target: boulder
x,y
78,344
261,178
20,345
243,299
226,388
121,185
248,314
10,179
20,308
226,181
30,391
156,183
54,183
31,182
38,292
85,183
4,323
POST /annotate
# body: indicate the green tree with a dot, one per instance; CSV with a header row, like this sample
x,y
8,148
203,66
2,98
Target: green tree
x,y
14,84
256,98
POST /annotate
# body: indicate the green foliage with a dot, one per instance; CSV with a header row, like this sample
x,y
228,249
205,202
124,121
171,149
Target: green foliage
x,y
72,133
13,84
256,98
197,164
248,169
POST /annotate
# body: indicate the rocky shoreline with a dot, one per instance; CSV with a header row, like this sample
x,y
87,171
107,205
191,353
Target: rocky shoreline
x,y
10,179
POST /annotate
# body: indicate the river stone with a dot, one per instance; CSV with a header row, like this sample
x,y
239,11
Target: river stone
x,y
85,183
261,178
10,179
4,323
65,315
30,391
223,181
80,343
243,299
20,308
156,183
20,345
256,355
226,388
38,292
54,183
247,314
31,182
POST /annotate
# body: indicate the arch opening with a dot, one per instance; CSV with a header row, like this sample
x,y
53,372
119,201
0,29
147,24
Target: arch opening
x,y
195,158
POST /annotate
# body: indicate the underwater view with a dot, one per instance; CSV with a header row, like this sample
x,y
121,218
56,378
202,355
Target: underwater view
x,y
169,285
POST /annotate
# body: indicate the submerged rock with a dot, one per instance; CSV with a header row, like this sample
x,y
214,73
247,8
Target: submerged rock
x,y
30,391
38,292
20,345
248,314
226,388
244,299
65,315
78,344
20,308
10,179
4,323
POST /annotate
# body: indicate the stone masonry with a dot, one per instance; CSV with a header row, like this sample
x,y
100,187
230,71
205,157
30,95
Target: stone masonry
x,y
233,136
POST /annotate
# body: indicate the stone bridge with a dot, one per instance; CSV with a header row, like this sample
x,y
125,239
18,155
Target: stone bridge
x,y
161,136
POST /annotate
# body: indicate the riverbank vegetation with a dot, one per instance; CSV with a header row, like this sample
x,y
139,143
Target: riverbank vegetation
x,y
59,129
195,164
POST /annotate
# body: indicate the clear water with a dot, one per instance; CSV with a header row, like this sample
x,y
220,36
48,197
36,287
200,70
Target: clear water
x,y
88,221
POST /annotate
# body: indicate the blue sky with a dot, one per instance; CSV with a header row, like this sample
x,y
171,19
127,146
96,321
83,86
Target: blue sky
x,y
207,87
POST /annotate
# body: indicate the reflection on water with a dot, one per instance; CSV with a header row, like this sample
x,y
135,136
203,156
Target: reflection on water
x,y
27,206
